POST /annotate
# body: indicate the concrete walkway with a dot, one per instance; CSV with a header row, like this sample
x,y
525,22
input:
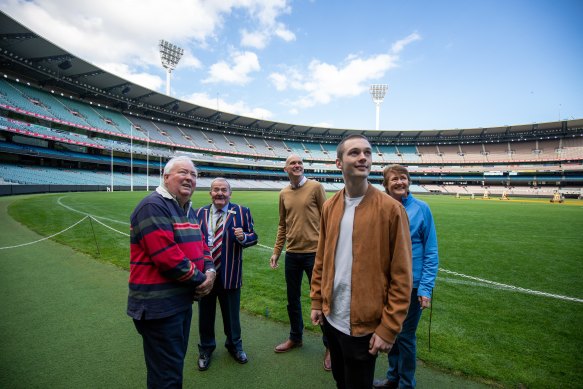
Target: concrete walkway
x,y
64,326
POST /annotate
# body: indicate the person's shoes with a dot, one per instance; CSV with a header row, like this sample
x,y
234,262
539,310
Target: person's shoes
x,y
204,360
239,356
385,383
327,361
287,345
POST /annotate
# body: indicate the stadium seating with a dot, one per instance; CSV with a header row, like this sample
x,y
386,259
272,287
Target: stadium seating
x,y
53,125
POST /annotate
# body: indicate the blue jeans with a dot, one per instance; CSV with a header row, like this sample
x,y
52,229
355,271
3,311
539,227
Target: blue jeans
x,y
402,362
165,342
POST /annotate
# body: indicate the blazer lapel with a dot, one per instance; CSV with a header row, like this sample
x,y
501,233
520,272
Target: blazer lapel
x,y
206,218
230,215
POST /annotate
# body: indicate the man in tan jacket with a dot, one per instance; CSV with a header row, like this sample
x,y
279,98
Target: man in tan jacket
x,y
361,282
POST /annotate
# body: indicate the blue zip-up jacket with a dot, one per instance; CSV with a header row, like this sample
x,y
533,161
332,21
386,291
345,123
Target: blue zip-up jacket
x,y
424,242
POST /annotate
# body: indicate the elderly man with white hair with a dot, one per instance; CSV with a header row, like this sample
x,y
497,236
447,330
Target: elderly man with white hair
x,y
170,267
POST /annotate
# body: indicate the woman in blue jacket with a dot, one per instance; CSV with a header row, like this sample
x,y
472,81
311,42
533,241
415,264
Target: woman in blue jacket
x,y
402,357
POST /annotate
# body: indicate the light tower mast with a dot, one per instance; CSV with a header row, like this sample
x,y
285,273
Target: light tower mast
x,y
170,55
378,91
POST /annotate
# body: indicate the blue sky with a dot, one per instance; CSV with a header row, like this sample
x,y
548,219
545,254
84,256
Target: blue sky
x,y
448,64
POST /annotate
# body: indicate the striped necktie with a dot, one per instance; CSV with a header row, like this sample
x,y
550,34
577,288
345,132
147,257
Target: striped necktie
x,y
218,240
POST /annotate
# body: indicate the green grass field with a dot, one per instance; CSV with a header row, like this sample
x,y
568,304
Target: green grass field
x,y
504,336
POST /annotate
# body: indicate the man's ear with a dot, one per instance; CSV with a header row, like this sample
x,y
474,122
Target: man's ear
x,y
339,163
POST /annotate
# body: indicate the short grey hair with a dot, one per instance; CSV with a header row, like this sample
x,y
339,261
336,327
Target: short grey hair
x,y
172,161
221,179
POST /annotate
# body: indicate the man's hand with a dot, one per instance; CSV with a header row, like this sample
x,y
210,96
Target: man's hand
x,y
317,317
239,233
205,288
273,261
377,344
425,302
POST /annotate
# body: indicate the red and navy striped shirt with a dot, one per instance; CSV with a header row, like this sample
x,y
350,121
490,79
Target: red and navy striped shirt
x,y
168,257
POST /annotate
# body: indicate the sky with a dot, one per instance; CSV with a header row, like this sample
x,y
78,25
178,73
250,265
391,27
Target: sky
x,y
448,64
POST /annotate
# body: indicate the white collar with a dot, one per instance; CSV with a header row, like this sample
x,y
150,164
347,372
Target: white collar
x,y
301,183
225,209
162,191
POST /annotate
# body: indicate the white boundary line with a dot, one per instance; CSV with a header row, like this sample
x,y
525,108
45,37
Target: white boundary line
x,y
480,281
512,287
45,238
106,226
94,217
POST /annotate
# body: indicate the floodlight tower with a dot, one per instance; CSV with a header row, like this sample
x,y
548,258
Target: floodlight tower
x,y
170,55
378,91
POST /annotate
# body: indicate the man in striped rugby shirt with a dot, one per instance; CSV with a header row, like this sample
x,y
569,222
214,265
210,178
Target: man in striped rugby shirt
x,y
170,267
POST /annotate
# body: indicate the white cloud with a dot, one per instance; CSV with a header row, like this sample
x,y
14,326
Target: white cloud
x,y
323,82
323,125
290,78
189,60
128,31
118,30
261,37
266,13
238,73
279,81
282,32
257,39
144,79
238,108
399,45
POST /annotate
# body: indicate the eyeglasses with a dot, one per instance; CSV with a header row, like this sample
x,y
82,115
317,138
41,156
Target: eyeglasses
x,y
184,173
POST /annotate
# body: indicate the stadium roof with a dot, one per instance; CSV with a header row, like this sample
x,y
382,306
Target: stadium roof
x,y
31,58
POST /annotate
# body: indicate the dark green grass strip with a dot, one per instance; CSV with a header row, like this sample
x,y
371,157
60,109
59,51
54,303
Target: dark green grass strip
x,y
64,325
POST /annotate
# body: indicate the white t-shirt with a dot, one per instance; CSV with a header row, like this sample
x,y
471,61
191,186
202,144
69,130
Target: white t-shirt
x,y
339,316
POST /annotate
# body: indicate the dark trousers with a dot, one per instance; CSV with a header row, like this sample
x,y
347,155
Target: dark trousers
x,y
230,303
352,365
165,342
296,264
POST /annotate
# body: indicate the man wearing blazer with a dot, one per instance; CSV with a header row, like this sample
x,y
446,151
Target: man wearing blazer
x,y
228,229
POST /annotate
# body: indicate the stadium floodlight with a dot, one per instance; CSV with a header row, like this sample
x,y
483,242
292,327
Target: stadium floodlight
x,y
378,91
170,55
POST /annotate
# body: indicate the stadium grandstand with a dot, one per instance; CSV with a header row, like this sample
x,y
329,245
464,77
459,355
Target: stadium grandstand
x,y
67,125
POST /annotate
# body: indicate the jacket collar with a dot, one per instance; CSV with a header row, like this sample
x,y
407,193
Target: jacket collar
x,y
162,191
367,194
408,199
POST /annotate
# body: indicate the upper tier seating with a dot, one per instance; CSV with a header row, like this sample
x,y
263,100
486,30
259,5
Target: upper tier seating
x,y
94,121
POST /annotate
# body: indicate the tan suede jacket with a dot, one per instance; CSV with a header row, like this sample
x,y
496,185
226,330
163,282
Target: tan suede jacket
x,y
381,267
